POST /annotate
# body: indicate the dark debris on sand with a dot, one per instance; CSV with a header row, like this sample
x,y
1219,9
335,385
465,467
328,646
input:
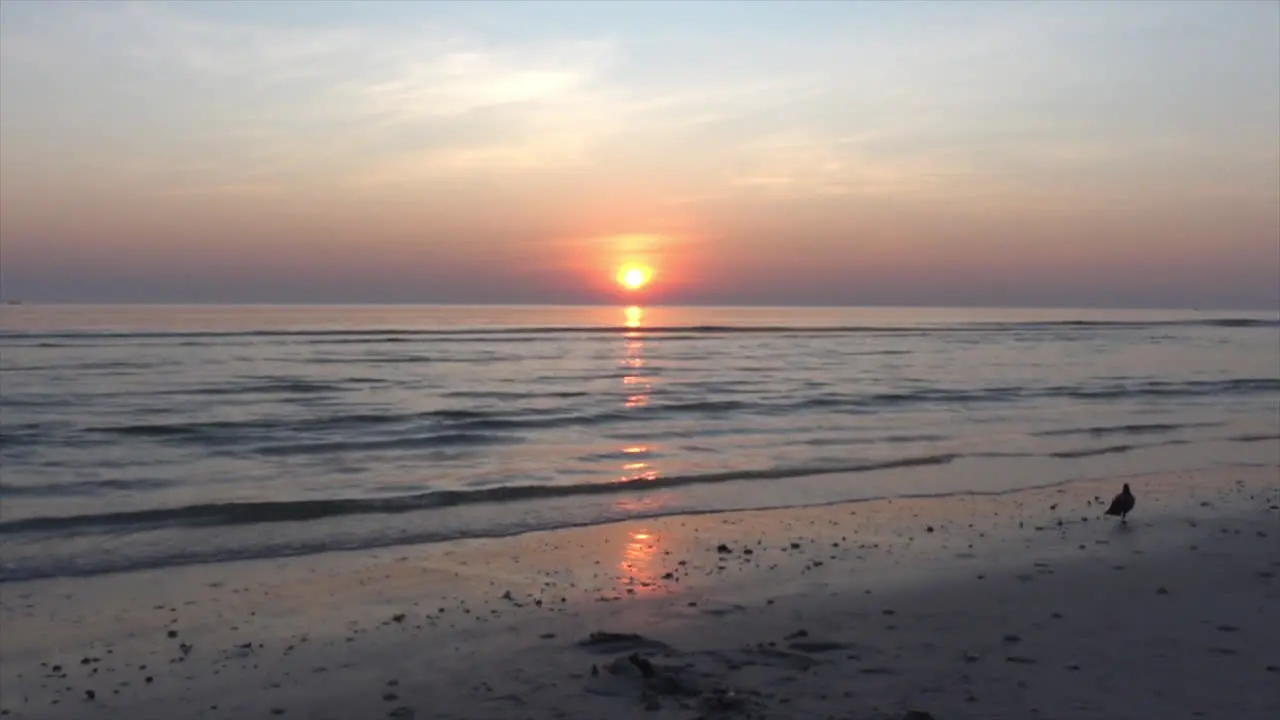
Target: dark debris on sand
x,y
656,684
610,642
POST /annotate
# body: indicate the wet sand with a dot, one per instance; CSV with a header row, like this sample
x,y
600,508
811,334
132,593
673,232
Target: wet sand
x,y
1022,605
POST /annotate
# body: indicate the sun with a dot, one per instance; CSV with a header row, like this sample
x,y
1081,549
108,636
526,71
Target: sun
x,y
634,277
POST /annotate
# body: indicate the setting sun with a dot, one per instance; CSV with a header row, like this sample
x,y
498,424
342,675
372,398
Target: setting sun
x,y
634,277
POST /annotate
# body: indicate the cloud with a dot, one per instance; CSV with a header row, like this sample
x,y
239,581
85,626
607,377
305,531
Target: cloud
x,y
251,104
453,81
477,108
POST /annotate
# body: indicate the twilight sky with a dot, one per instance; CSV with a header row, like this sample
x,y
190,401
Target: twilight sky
x,y
964,153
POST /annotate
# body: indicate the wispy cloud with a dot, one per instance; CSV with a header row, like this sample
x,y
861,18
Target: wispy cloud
x,y
471,107
455,81
288,105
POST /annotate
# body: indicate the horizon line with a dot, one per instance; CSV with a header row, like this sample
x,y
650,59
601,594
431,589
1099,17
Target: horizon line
x,y
14,303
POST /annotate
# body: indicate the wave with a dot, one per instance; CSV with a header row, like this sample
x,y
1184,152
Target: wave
x,y
408,334
1253,438
1152,388
1111,450
232,429
82,487
251,513
1133,429
1162,388
451,426
510,395
1242,323
843,441
88,366
449,439
464,422
267,387
1091,452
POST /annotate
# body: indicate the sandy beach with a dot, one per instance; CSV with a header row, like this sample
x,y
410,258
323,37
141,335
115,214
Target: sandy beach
x,y
1020,605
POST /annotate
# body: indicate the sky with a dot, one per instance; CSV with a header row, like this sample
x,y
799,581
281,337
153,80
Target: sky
x,y
1100,154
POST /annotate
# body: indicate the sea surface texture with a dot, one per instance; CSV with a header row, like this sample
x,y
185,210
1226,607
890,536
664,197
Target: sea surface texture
x,y
152,436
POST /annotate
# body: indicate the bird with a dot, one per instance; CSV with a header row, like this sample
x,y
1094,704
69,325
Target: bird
x,y
1122,504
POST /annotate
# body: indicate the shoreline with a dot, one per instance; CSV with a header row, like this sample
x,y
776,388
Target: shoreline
x,y
243,532
445,621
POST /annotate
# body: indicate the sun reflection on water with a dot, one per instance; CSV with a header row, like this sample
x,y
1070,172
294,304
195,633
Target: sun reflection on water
x,y
634,315
637,386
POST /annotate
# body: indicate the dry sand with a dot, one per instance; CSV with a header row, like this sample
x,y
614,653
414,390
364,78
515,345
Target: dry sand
x,y
1024,605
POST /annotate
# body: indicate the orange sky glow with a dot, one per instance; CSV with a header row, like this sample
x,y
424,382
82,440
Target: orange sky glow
x,y
1086,154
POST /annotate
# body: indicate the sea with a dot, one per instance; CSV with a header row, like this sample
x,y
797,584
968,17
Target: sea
x,y
157,436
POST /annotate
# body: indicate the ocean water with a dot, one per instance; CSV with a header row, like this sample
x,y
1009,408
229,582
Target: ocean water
x,y
148,436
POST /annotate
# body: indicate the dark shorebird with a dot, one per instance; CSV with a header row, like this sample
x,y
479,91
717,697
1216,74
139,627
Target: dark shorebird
x,y
1122,504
